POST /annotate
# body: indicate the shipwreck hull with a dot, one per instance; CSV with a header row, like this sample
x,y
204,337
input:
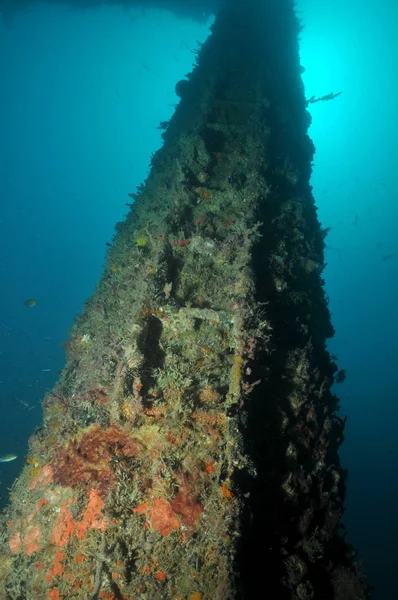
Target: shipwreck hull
x,y
189,449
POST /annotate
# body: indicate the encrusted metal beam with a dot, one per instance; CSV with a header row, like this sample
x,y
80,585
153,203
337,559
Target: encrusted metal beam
x,y
189,449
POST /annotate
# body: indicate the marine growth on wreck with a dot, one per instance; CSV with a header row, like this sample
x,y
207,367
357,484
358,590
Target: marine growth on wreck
x,y
189,450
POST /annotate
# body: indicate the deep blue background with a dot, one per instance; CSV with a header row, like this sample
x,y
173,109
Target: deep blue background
x,y
81,95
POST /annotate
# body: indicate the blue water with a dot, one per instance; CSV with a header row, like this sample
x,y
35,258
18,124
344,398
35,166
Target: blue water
x,y
81,96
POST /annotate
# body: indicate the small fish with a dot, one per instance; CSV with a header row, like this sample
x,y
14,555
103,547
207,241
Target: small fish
x,y
26,404
388,256
30,302
8,458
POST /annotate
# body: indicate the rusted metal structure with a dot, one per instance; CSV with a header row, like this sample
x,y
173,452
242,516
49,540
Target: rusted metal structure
x,y
190,448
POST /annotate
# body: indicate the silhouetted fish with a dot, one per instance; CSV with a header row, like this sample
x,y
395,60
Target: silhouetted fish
x,y
388,256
